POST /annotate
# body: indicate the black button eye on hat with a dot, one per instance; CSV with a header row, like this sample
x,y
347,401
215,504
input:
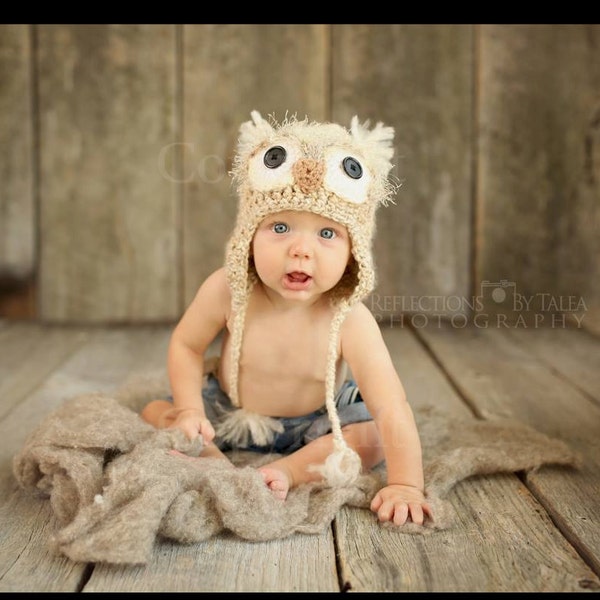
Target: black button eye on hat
x,y
275,156
352,167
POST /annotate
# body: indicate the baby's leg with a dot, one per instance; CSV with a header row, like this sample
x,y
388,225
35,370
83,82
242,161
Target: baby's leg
x,y
292,470
159,413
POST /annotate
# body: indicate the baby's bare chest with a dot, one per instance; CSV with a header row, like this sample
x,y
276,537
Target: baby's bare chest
x,y
285,345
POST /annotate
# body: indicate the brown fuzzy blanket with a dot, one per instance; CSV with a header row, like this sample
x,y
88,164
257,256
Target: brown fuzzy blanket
x,y
109,476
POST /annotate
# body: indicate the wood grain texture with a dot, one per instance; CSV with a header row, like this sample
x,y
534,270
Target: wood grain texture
x,y
300,563
572,353
108,214
502,542
29,353
592,320
124,135
17,206
102,364
539,165
418,79
28,563
575,356
502,379
230,70
501,539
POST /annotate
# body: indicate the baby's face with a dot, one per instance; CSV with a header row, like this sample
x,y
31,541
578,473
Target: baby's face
x,y
300,255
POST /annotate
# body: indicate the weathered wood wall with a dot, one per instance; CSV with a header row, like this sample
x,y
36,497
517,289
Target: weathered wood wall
x,y
419,78
115,201
17,216
538,196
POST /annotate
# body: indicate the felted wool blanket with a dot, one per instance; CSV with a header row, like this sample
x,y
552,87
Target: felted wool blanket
x,y
115,488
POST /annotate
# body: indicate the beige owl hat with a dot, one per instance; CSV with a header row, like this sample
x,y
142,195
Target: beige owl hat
x,y
322,168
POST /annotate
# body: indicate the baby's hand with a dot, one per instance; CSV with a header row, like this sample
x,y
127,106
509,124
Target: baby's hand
x,y
193,423
396,503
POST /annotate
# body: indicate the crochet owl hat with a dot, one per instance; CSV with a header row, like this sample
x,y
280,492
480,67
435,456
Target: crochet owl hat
x,y
325,169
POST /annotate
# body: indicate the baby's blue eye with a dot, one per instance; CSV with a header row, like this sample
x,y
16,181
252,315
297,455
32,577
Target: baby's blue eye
x,y
327,233
280,228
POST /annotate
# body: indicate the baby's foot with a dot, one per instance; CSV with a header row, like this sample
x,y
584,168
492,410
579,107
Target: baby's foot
x,y
277,481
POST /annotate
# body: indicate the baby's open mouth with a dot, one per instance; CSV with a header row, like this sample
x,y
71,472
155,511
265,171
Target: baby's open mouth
x,y
298,277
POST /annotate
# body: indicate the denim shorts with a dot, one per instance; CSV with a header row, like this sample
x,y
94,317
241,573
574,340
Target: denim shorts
x,y
297,431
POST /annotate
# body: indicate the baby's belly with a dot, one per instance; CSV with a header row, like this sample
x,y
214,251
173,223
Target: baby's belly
x,y
280,396
268,387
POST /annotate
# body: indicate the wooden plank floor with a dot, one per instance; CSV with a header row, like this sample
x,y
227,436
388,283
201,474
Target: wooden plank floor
x,y
530,533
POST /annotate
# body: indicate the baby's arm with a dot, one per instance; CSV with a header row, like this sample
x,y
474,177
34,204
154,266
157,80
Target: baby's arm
x,y
365,351
201,323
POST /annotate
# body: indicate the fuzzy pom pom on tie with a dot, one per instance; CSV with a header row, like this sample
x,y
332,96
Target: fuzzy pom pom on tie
x,y
241,428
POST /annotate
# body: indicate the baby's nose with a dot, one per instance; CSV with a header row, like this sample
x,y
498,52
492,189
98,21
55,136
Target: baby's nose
x,y
308,174
300,247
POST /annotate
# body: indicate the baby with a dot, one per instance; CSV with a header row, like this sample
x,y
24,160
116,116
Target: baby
x,y
288,302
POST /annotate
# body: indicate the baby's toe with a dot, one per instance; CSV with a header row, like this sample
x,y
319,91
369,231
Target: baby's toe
x,y
276,481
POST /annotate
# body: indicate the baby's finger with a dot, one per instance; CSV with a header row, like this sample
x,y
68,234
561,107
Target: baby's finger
x,y
190,432
416,513
427,510
376,502
385,512
207,431
400,513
